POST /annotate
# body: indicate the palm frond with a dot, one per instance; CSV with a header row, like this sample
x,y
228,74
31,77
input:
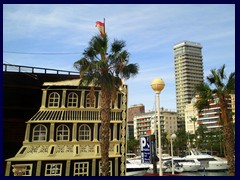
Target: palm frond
x,y
221,72
205,94
129,71
230,85
215,79
117,46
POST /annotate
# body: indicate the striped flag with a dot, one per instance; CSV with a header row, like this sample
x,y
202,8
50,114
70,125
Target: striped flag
x,y
100,27
149,132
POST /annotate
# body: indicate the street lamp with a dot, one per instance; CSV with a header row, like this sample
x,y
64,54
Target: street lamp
x,y
173,136
158,85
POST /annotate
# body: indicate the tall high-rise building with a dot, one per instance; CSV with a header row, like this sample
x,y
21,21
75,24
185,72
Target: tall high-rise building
x,y
188,65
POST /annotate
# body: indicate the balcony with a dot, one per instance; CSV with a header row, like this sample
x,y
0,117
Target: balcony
x,y
72,115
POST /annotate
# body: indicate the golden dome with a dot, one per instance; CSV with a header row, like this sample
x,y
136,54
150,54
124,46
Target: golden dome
x,y
157,84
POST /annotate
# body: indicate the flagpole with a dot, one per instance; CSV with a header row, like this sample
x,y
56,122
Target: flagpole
x,y
104,25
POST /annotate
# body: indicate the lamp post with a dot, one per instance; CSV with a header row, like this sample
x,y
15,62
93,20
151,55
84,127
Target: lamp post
x,y
158,85
173,136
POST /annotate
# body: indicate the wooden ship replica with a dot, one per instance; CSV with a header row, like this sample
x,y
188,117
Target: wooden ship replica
x,y
62,138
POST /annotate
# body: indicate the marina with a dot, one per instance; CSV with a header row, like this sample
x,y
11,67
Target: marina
x,y
195,164
198,173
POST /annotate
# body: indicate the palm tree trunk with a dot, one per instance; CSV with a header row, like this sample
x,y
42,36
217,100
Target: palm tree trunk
x,y
230,150
105,125
228,135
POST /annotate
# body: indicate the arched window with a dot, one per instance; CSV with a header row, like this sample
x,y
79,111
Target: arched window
x,y
54,99
90,102
84,133
62,133
40,133
72,100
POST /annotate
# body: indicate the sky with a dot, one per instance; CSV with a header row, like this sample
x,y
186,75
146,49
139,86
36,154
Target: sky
x,y
55,36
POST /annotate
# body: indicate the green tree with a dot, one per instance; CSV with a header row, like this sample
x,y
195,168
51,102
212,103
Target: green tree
x,y
201,136
220,86
132,145
105,69
164,142
191,140
180,142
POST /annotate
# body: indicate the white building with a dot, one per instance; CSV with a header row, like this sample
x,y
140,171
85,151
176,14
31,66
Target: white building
x,y
146,123
210,117
188,63
191,112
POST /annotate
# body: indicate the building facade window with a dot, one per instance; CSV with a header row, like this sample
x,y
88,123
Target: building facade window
x,y
54,100
81,169
72,100
90,102
84,133
40,133
28,171
53,169
62,133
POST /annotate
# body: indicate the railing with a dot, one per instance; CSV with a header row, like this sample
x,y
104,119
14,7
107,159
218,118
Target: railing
x,y
73,115
30,69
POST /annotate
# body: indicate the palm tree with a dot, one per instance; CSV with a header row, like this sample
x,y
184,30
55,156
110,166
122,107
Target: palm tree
x,y
180,142
193,120
105,69
220,86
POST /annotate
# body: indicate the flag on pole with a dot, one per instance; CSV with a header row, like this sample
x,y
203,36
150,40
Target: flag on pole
x,y
100,27
149,132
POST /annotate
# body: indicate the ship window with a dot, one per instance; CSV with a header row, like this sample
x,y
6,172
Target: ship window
x,y
23,149
76,149
72,99
206,159
54,100
100,168
40,133
62,133
98,151
28,169
53,169
84,132
90,102
52,150
81,169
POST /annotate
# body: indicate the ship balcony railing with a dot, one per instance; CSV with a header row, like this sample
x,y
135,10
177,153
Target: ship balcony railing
x,y
73,149
73,115
30,69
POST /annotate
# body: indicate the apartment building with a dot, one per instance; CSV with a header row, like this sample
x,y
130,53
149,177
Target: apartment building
x,y
188,63
147,123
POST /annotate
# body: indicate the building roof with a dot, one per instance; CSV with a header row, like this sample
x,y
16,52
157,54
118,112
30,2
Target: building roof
x,y
72,82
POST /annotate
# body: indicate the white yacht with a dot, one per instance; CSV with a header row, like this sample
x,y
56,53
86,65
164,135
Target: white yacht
x,y
167,166
188,165
134,165
208,162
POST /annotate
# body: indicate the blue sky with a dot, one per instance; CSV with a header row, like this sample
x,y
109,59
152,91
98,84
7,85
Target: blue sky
x,y
150,32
